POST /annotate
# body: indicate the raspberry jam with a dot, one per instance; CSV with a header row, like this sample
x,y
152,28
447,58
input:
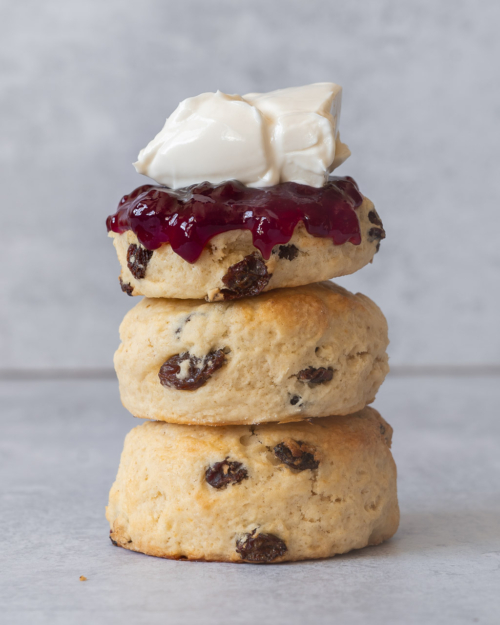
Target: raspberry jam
x,y
188,218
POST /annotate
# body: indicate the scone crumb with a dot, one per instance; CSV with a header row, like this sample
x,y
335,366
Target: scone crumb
x,y
83,578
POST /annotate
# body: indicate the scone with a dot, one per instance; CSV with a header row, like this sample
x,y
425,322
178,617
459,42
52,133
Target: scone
x,y
268,493
286,355
228,241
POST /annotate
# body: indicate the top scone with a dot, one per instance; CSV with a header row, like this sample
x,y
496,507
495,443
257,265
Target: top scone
x,y
248,205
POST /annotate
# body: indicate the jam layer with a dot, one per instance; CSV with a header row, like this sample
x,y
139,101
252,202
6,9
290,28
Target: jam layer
x,y
188,218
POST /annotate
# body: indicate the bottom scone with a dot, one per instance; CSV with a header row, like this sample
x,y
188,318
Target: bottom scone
x,y
267,493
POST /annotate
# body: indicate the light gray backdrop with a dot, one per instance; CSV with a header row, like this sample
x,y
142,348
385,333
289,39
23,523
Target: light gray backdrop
x,y
85,84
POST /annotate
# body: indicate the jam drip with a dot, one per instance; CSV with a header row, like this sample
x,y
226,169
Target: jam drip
x,y
188,218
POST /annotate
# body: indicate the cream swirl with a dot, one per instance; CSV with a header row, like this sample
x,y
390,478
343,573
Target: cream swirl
x,y
260,139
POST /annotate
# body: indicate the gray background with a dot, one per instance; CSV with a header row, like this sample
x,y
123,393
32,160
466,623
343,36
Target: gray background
x,y
85,84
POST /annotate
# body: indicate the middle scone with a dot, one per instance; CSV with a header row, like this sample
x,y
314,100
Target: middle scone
x,y
286,355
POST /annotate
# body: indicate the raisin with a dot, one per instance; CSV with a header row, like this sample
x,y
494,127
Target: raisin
x,y
247,278
137,260
260,547
126,287
374,218
200,370
295,399
383,432
111,539
288,252
375,234
186,320
297,455
315,376
220,474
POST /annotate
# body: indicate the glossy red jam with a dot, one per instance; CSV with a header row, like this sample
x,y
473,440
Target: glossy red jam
x,y
188,218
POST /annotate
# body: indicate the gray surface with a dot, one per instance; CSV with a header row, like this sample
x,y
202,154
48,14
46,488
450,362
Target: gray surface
x,y
59,452
85,84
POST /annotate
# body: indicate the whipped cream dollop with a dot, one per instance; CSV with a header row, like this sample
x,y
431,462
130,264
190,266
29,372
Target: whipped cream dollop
x,y
260,139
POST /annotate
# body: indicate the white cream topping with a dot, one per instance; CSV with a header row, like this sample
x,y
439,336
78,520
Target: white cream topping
x,y
260,139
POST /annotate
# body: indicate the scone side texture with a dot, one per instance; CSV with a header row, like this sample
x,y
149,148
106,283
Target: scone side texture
x,y
290,354
305,259
161,503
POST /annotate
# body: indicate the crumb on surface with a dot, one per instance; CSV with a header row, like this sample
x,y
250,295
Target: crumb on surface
x,y
83,578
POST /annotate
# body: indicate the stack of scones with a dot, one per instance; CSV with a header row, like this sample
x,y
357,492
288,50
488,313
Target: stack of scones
x,y
253,371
